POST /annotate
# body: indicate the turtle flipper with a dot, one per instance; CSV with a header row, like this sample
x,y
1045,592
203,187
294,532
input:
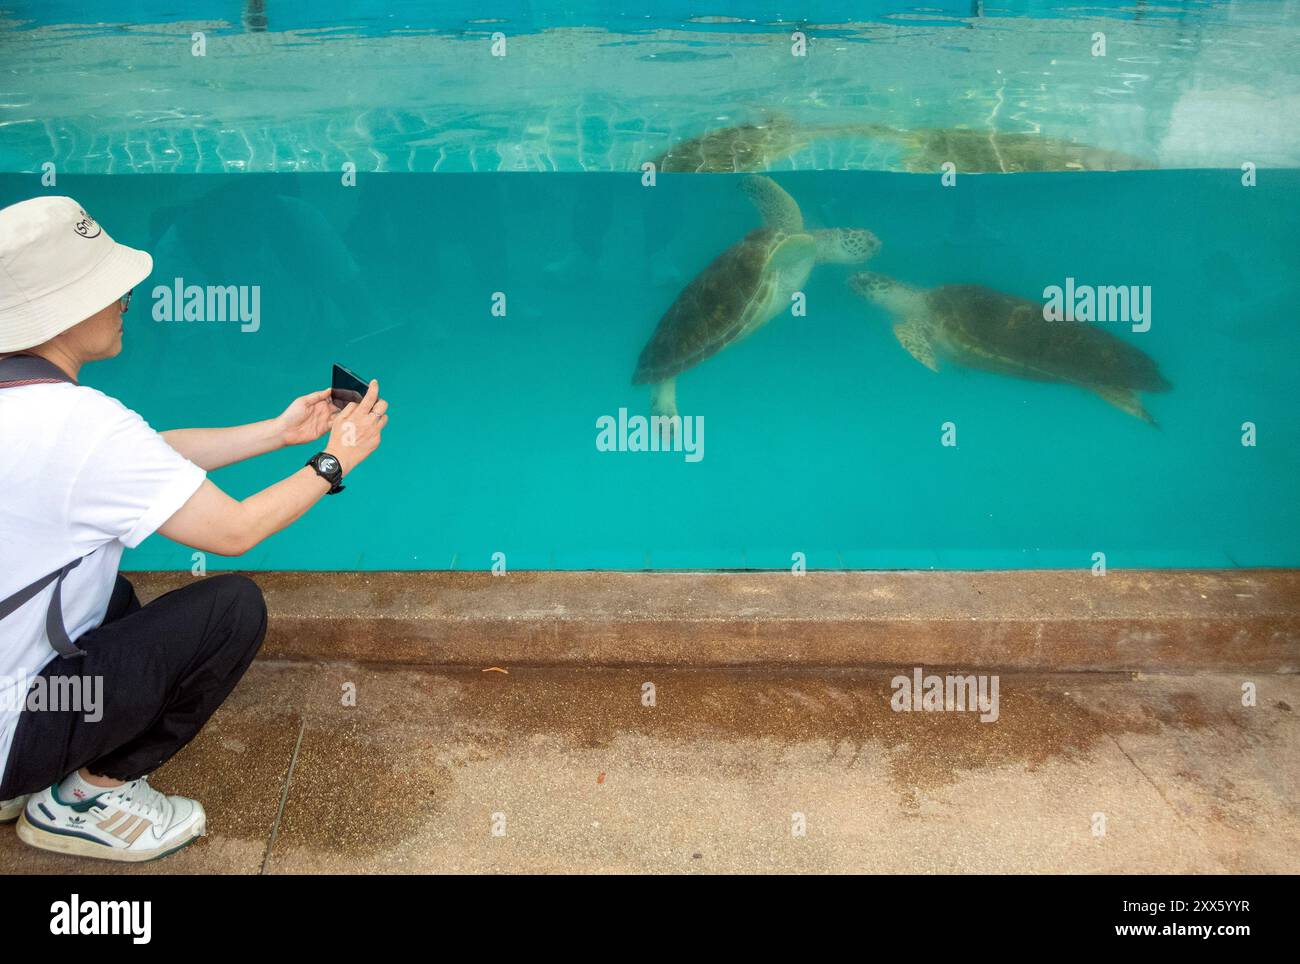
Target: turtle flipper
x,y
663,405
911,335
778,208
1126,400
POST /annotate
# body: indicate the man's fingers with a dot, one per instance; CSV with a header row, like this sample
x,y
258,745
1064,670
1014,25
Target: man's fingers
x,y
372,396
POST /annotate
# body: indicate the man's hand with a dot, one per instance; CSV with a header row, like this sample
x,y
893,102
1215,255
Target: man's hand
x,y
306,419
356,429
212,521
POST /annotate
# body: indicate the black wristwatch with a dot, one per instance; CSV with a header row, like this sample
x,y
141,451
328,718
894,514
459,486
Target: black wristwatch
x,y
328,468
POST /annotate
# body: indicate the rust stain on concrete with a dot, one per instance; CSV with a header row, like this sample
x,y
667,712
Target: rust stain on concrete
x,y
366,781
362,788
235,767
849,718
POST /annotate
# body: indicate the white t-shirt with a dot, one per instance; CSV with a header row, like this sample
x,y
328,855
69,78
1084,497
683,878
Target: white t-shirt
x,y
81,475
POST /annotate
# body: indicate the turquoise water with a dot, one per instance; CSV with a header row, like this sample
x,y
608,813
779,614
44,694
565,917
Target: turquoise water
x,y
822,436
407,85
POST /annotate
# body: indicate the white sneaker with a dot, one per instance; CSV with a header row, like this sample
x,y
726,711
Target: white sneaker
x,y
11,809
132,822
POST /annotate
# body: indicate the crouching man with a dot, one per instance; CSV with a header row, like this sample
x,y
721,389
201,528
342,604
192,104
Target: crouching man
x,y
83,477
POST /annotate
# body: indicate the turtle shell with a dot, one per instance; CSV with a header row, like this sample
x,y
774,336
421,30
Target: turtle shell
x,y
975,151
998,332
712,311
747,147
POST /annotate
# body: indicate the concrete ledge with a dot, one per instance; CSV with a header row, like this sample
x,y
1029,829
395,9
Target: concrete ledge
x,y
1236,620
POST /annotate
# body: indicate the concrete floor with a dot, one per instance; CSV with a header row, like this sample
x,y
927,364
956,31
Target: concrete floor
x,y
707,780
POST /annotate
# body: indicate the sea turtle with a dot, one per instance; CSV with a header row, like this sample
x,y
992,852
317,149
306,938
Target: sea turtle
x,y
742,289
753,147
745,147
980,328
987,151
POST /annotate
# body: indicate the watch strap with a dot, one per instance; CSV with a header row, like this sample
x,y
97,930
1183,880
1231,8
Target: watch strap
x,y
335,478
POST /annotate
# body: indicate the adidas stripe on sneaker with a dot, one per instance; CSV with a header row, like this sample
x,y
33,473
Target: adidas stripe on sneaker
x,y
133,822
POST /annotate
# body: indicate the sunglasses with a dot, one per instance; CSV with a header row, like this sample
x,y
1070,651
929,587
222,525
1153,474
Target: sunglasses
x,y
125,301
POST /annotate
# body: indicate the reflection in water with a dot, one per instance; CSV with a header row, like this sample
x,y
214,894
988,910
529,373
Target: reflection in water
x,y
745,147
255,16
997,152
755,147
604,98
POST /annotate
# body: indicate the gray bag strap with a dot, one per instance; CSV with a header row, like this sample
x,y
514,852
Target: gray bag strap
x,y
31,370
54,628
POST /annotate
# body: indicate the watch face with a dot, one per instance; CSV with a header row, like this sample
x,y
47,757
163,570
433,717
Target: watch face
x,y
329,464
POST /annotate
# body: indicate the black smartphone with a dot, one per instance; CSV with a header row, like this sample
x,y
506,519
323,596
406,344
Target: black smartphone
x,y
347,387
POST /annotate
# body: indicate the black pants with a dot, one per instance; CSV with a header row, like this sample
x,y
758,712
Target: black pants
x,y
165,668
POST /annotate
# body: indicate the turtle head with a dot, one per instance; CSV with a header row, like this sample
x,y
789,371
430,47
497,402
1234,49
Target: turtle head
x,y
846,245
883,290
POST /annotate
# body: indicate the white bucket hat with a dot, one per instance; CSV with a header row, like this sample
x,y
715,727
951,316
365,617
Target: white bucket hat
x,y
57,268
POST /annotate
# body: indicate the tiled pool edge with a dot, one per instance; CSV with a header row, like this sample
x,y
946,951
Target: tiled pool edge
x,y
1166,620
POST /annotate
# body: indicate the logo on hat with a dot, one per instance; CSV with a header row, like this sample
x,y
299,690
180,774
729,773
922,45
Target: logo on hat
x,y
87,227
